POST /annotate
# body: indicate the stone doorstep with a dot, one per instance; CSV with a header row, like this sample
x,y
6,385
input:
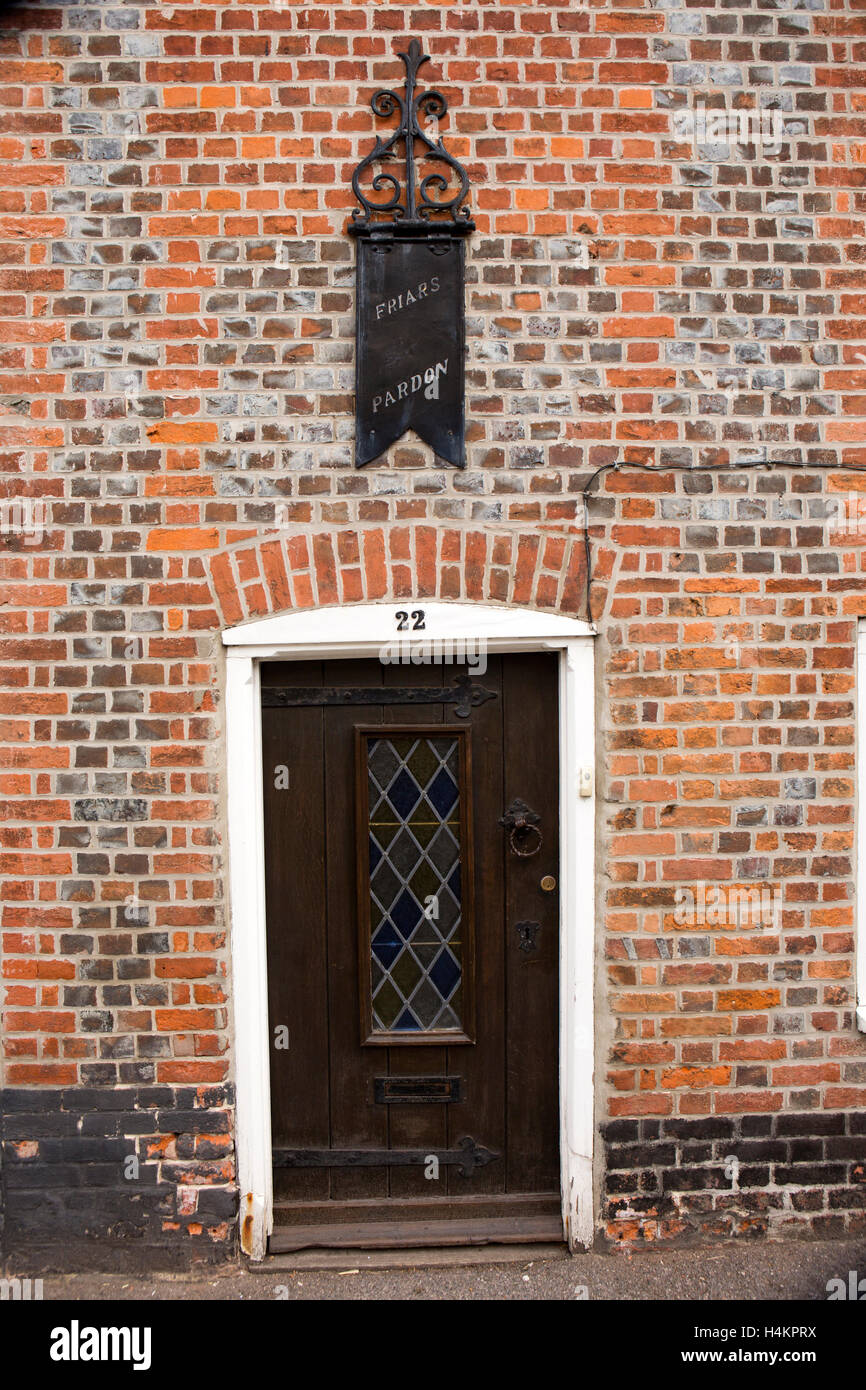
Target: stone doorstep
x,y
353,1261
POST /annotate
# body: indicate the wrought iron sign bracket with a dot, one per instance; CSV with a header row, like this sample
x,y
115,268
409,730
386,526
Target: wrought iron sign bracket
x,y
410,324
411,208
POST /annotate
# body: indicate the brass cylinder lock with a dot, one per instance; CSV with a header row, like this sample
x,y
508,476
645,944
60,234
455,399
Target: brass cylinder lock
x,y
548,883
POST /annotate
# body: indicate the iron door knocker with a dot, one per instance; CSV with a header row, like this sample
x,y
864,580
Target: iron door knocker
x,y
522,823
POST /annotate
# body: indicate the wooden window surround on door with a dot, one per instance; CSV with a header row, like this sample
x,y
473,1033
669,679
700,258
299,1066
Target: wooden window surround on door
x,y
415,885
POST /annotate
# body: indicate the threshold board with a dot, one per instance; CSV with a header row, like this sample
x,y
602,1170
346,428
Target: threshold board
x,y
396,1235
352,1210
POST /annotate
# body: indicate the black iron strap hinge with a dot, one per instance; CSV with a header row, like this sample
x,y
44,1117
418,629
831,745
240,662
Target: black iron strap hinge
x,y
466,1157
464,694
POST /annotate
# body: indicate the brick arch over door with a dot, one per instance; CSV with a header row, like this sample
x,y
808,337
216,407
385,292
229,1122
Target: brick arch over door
x,y
312,569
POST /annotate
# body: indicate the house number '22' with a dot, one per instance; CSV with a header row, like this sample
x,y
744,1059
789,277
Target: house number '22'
x,y
402,620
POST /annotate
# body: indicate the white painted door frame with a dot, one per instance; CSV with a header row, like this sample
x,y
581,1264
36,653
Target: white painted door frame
x,y
363,630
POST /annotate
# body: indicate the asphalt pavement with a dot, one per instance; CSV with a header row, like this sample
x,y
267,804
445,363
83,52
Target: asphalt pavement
x,y
789,1270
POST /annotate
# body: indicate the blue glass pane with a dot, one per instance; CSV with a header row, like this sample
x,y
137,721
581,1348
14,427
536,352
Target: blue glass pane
x,y
442,793
386,946
407,1022
406,913
403,794
445,974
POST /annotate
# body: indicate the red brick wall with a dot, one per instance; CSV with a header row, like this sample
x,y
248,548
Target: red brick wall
x,y
729,724
176,375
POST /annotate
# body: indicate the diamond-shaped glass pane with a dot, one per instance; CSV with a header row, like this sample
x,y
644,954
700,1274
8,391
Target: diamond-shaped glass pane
x,y
415,902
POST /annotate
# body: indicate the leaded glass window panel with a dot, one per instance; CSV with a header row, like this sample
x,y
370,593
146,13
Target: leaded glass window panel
x,y
413,878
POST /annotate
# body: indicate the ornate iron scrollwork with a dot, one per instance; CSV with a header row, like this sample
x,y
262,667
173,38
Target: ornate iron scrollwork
x,y
412,209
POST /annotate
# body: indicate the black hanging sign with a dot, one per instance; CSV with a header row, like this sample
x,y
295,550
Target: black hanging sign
x,y
410,338
410,346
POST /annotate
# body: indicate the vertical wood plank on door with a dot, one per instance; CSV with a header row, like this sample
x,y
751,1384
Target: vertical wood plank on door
x,y
415,1126
481,1113
294,891
530,704
356,1122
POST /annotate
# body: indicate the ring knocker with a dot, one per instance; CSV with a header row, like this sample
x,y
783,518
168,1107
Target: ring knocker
x,y
524,830
522,823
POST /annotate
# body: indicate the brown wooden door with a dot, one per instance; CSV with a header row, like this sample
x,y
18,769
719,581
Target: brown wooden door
x,y
412,951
